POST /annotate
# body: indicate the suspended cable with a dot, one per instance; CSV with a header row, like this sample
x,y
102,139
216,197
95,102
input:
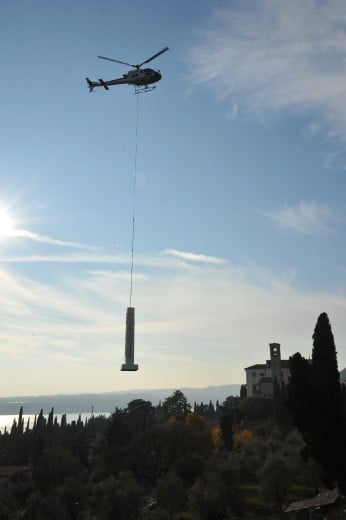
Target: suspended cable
x,y
134,199
130,365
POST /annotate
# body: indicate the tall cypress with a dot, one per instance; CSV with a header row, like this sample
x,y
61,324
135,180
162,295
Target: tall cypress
x,y
226,426
299,393
324,359
243,392
315,401
328,438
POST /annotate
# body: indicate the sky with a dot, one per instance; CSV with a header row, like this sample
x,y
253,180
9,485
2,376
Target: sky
x,y
233,167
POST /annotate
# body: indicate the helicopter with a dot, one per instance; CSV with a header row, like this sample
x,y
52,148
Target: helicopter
x,y
142,79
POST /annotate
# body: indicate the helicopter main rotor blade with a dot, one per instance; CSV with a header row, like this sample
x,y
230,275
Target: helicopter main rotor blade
x,y
117,61
155,56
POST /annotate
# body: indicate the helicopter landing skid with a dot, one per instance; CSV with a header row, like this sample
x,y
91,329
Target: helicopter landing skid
x,y
141,90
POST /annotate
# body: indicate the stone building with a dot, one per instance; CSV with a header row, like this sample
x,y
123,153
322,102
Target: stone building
x,y
260,378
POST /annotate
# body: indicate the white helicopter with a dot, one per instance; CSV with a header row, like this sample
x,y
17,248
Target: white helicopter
x,y
140,78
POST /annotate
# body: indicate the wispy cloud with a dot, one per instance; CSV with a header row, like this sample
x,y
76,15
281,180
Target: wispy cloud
x,y
67,258
269,55
306,217
170,258
43,239
194,257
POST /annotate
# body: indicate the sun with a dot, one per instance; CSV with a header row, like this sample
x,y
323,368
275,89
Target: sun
x,y
6,225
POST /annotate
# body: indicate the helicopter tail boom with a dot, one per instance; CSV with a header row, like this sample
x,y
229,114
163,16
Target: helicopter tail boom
x,y
99,83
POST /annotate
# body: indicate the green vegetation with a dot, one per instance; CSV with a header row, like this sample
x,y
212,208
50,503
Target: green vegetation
x,y
150,462
238,460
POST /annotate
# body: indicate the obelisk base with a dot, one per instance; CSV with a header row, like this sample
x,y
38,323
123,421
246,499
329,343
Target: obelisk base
x,y
129,367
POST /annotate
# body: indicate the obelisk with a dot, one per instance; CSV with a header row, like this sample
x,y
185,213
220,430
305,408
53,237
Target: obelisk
x,y
129,364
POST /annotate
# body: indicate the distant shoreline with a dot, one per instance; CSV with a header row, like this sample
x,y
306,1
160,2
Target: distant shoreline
x,y
99,402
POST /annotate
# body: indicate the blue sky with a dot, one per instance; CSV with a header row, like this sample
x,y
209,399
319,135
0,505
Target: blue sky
x,y
240,205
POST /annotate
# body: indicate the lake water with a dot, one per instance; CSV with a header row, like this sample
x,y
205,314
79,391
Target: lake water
x,y
6,421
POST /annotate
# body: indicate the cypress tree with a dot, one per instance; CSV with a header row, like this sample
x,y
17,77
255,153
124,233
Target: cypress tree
x,y
327,444
324,359
315,401
299,393
226,426
50,420
20,421
243,392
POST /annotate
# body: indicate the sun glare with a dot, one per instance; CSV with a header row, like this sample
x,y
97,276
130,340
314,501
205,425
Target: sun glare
x,y
6,225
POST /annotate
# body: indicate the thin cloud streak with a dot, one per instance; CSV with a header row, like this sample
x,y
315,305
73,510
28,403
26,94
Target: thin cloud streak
x,y
43,239
185,255
170,259
306,217
67,258
267,55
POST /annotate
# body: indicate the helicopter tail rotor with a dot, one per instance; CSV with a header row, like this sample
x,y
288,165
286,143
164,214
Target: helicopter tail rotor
x,y
91,84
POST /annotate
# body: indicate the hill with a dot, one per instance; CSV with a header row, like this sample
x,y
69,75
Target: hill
x,y
107,402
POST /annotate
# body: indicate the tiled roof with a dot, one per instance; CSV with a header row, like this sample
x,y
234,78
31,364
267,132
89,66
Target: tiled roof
x,y
256,367
262,366
327,497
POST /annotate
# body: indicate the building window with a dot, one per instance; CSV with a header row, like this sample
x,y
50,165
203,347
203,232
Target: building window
x,y
253,374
